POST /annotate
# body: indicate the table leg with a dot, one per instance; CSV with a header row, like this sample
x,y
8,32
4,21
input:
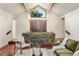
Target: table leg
x,y
14,48
20,48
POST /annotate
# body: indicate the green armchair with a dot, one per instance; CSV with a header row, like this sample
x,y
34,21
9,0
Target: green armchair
x,y
71,47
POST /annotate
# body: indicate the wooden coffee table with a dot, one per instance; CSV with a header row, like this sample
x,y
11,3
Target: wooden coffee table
x,y
48,46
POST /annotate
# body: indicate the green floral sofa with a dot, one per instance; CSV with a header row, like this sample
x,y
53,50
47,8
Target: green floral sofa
x,y
71,47
46,37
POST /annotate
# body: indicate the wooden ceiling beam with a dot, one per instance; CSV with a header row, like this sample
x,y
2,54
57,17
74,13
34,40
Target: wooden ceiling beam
x,y
26,8
50,7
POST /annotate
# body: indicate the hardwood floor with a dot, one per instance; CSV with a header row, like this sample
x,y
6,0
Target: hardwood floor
x,y
7,50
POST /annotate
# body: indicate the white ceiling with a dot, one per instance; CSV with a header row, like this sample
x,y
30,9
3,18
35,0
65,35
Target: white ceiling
x,y
63,8
13,8
32,5
58,8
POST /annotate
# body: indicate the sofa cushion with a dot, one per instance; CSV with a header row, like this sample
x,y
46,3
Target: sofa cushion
x,y
71,44
77,47
63,51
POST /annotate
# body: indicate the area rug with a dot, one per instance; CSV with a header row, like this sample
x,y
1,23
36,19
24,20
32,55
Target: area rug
x,y
29,52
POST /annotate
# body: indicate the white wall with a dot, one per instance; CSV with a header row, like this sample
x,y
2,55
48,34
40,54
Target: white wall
x,y
72,24
5,26
54,24
22,24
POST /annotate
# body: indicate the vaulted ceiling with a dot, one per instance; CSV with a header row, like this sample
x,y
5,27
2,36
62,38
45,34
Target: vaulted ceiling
x,y
59,9
46,6
62,8
12,8
31,5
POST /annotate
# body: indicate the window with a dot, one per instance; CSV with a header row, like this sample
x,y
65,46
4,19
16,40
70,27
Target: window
x,y
38,12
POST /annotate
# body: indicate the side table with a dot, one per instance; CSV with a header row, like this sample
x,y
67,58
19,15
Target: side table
x,y
16,42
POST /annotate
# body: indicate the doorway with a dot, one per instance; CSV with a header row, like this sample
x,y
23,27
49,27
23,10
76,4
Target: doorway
x,y
38,25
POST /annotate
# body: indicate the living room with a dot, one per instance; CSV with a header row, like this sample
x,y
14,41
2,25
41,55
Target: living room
x,y
47,32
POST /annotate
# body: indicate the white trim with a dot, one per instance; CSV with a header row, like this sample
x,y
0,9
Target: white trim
x,y
14,29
